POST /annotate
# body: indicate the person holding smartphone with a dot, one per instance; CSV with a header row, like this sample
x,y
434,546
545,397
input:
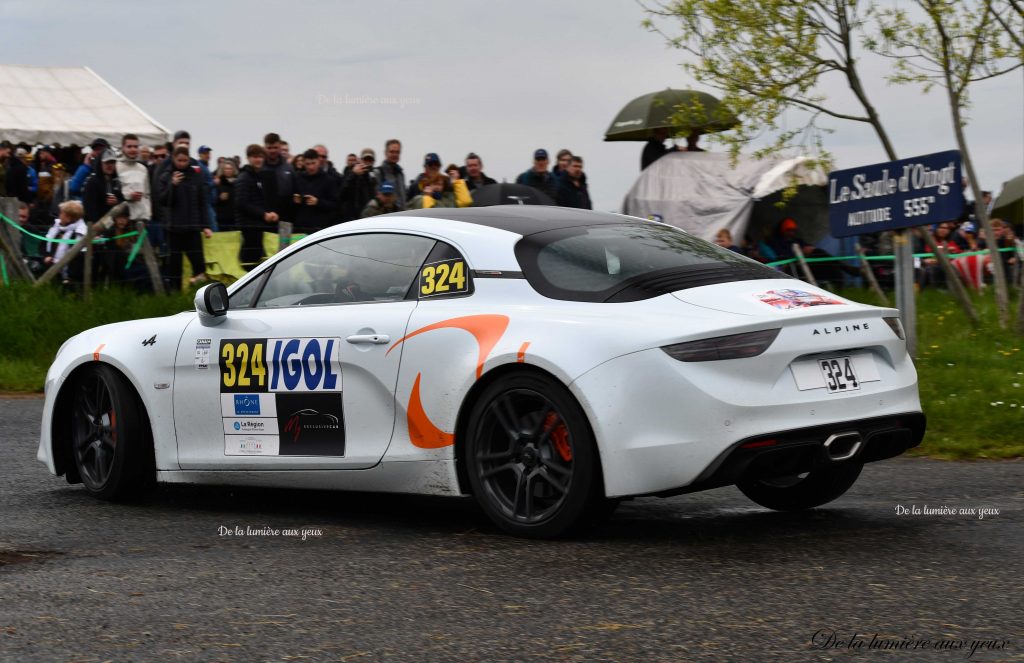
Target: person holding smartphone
x,y
315,201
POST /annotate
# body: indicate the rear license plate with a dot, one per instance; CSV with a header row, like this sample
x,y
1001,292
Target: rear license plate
x,y
839,374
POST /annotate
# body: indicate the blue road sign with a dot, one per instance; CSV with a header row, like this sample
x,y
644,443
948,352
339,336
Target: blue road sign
x,y
895,194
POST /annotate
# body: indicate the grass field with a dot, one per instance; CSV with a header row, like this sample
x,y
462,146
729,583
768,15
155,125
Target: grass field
x,y
34,322
972,381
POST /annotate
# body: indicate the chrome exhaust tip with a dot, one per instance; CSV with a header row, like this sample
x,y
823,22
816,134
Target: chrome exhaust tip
x,y
843,446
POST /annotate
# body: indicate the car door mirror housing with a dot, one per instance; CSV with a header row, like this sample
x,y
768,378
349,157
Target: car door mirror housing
x,y
212,303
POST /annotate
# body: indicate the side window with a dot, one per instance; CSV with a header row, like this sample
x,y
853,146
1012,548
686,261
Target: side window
x,y
372,267
444,274
245,296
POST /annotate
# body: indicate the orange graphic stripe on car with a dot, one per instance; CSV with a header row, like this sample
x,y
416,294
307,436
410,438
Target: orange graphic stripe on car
x,y
521,357
422,431
486,328
96,352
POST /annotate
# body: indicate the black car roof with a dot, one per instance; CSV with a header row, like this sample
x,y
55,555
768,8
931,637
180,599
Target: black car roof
x,y
525,219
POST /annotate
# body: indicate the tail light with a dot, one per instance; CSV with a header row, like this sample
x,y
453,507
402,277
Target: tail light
x,y
734,346
896,326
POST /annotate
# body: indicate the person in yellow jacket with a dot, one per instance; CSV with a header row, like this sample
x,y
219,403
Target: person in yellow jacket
x,y
440,191
431,188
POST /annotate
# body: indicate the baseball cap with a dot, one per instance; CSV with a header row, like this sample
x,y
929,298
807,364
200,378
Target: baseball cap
x,y
367,152
969,227
386,188
205,148
788,224
99,142
108,155
431,158
181,133
540,154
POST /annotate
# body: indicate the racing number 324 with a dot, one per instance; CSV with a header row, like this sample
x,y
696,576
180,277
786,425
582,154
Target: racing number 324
x,y
242,365
443,278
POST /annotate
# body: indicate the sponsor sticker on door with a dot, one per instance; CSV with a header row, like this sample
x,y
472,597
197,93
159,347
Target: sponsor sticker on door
x,y
281,396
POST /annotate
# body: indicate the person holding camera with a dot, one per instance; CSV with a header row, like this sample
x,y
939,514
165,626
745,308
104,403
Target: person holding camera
x,y
315,199
185,199
102,191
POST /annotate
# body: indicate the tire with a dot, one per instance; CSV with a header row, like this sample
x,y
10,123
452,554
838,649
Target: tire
x,y
111,444
798,492
531,457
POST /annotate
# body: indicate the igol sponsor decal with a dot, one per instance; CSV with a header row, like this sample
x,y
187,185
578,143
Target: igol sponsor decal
x,y
262,365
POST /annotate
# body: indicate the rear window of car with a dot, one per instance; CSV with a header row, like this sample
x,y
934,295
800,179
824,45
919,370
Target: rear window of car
x,y
628,262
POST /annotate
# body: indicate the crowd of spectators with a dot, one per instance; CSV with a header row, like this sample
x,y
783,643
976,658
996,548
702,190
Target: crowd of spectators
x,y
960,239
181,197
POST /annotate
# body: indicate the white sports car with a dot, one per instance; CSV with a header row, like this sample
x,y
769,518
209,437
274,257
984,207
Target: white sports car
x,y
547,361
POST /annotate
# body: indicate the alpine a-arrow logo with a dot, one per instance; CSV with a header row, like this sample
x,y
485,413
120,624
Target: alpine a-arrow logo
x,y
309,419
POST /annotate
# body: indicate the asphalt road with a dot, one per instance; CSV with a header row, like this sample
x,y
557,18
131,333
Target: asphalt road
x,y
707,576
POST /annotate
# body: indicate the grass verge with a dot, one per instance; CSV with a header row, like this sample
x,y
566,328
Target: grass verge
x,y
34,322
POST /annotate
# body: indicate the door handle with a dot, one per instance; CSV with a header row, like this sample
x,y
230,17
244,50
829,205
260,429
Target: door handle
x,y
375,339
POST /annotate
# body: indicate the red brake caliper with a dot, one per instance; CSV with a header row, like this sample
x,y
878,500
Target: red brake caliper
x,y
559,437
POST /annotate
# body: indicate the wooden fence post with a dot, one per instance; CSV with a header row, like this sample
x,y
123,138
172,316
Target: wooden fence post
x,y
9,239
150,259
284,234
809,277
869,276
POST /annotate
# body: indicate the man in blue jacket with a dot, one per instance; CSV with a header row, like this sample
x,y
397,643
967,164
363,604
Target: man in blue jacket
x,y
87,167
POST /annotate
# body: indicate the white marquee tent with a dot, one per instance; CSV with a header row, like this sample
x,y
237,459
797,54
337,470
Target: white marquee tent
x,y
68,105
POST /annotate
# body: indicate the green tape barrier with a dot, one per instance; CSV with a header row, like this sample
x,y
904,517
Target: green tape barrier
x,y
135,249
3,270
951,256
98,240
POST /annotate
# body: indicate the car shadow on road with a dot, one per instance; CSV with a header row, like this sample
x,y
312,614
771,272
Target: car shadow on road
x,y
708,520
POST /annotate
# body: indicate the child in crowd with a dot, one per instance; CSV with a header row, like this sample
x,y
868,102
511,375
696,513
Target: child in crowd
x,y
68,226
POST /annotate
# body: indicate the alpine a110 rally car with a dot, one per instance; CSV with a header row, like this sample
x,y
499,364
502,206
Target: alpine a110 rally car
x,y
547,361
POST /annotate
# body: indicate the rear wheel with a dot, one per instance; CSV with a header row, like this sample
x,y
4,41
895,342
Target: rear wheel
x,y
531,457
802,491
110,440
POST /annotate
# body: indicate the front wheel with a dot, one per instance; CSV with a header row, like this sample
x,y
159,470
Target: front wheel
x,y
802,491
531,457
110,440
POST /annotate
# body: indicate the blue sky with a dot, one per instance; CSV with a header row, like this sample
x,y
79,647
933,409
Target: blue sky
x,y
499,78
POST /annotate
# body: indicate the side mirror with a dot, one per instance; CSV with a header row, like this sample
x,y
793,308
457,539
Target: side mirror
x,y
212,303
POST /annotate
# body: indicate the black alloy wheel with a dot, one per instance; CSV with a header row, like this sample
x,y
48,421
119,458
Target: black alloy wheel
x,y
531,455
802,491
111,446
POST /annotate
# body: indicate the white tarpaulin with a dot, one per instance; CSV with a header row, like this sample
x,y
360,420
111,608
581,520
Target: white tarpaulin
x,y
68,105
702,193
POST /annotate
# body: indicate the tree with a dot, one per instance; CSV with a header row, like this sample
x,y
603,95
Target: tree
x,y
768,58
952,44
